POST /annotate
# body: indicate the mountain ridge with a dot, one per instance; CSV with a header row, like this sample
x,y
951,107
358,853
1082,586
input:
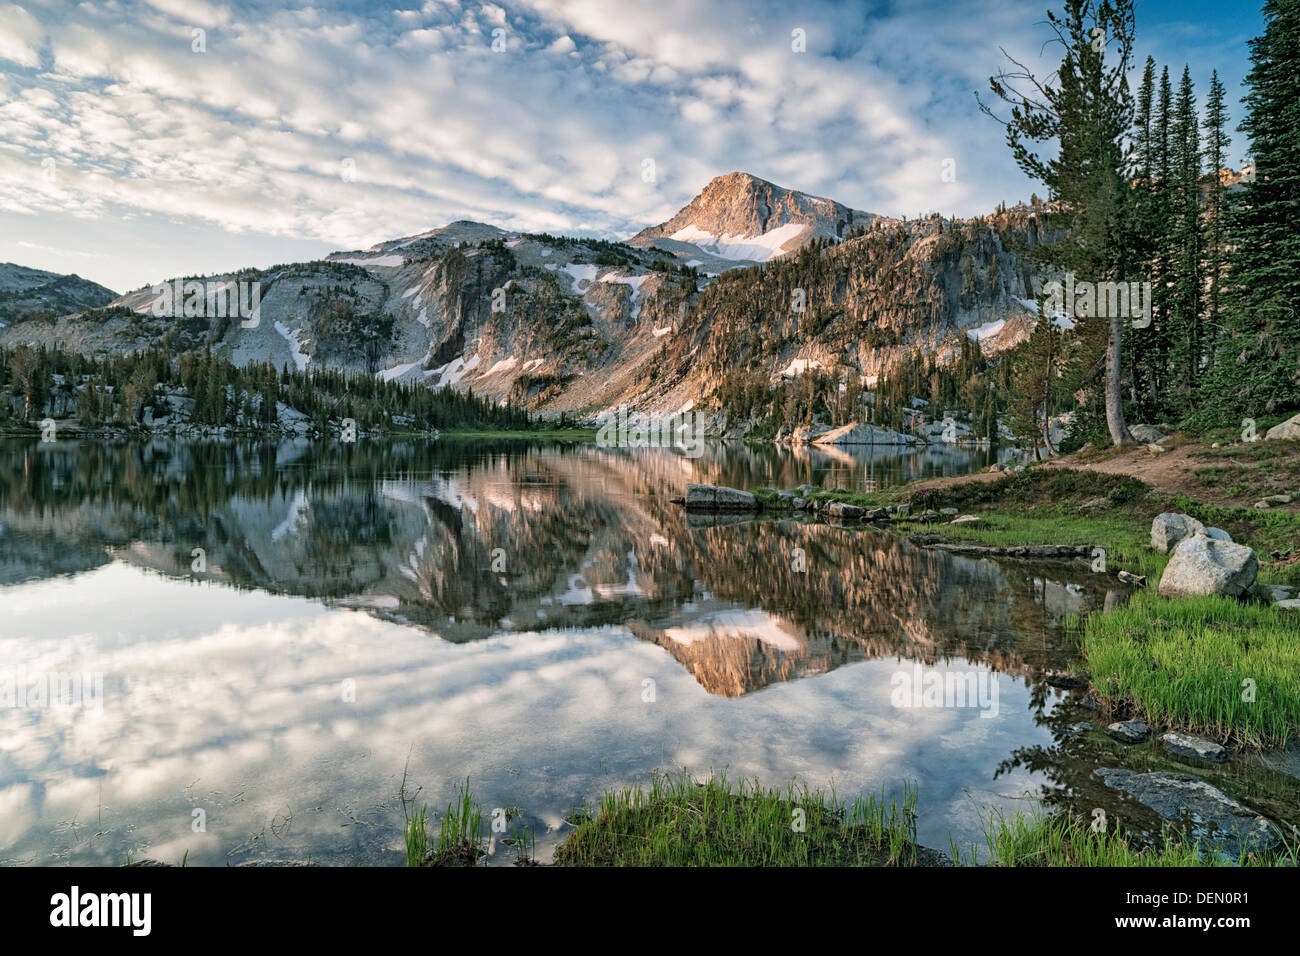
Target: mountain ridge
x,y
579,325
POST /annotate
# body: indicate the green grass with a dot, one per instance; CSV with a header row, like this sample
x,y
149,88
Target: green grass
x,y
460,835
416,835
1045,506
1196,663
1036,506
678,822
1061,840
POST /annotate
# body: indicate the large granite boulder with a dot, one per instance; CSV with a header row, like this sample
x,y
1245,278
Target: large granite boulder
x,y
1201,565
1288,429
1169,528
863,433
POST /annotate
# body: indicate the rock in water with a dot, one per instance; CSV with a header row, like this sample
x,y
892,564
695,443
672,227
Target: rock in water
x,y
1194,748
709,498
1201,566
1170,528
842,509
1129,731
1213,818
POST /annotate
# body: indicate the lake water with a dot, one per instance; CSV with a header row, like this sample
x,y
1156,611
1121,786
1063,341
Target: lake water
x,y
283,633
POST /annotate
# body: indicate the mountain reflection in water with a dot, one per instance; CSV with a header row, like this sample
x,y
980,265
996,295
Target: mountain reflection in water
x,y
501,612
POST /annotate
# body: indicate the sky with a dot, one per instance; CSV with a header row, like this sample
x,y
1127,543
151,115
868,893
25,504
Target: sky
x,y
147,139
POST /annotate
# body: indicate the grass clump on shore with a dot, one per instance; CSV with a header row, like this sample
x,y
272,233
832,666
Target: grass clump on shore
x,y
460,836
1214,666
1063,840
678,822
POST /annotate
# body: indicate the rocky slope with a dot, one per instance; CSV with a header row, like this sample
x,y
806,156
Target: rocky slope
x,y
582,325
25,293
741,218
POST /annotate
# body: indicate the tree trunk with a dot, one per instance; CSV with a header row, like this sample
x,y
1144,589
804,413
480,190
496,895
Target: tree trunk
x,y
1119,433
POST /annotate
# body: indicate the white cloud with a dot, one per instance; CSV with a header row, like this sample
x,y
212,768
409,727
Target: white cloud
x,y
249,136
20,36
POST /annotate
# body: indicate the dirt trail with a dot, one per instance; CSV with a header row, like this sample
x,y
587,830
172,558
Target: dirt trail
x,y
1171,471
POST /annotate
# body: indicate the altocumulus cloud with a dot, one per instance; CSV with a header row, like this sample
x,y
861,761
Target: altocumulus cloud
x,y
345,124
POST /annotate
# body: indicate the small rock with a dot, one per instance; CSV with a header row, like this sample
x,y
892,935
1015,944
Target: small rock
x,y
948,511
929,515
1066,682
1215,445
800,504
1292,604
966,519
842,509
1279,592
1137,580
1263,505
1278,499
1154,448
1146,434
1129,731
1183,745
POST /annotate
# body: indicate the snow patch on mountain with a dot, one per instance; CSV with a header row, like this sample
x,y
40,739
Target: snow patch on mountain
x,y
294,338
760,248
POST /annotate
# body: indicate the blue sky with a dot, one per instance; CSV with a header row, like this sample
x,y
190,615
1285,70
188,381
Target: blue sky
x,y
133,149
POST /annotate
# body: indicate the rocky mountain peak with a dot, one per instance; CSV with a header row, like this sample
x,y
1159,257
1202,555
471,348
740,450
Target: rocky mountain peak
x,y
739,216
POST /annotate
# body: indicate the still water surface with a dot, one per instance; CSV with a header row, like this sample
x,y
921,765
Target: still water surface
x,y
284,631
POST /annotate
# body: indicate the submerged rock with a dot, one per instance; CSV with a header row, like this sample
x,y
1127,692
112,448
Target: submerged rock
x,y
1212,817
1129,731
1194,748
1170,528
1201,566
